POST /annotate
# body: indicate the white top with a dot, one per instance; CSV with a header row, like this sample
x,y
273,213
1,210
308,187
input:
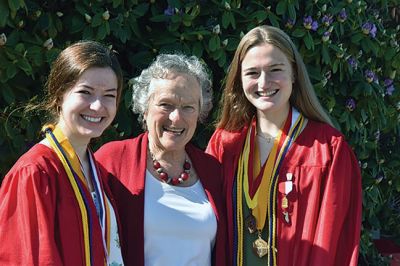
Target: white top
x,y
115,256
179,224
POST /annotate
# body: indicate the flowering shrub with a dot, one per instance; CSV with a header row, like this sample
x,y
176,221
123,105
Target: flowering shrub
x,y
350,47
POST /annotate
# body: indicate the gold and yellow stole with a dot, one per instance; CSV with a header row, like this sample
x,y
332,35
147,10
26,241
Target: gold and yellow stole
x,y
72,165
261,200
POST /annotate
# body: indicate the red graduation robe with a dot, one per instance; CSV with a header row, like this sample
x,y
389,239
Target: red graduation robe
x,y
126,161
40,220
325,218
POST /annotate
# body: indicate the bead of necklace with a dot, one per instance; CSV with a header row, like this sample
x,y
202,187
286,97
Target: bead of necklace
x,y
172,180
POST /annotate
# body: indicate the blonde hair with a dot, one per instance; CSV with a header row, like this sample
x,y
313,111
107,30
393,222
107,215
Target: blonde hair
x,y
237,111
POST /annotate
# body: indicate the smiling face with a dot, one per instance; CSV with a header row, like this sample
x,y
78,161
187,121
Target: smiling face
x,y
173,111
89,107
267,79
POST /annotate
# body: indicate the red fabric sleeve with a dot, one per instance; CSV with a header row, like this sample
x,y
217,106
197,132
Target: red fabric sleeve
x,y
215,146
339,222
27,218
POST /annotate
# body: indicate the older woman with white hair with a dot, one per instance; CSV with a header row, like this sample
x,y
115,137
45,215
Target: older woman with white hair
x,y
168,192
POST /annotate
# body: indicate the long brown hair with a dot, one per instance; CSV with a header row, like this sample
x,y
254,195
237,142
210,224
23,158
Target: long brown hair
x,y
69,66
237,111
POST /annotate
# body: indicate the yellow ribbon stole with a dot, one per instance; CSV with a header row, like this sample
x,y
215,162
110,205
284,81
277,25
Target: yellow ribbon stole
x,y
67,147
259,203
261,206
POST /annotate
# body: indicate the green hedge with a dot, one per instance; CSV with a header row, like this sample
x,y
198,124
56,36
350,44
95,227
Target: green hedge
x,y
351,49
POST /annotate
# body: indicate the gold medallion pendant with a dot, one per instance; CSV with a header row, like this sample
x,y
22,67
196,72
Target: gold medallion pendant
x,y
260,247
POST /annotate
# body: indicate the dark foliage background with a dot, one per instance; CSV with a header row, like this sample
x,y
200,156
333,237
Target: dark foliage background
x,y
351,49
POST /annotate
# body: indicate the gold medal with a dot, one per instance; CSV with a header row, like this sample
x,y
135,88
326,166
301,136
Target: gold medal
x,y
285,203
250,223
260,247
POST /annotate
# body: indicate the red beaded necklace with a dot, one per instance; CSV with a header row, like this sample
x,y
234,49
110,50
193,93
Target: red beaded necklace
x,y
172,180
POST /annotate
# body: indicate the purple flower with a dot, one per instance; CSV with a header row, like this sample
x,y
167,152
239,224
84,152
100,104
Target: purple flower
x,y
352,62
351,104
369,28
314,25
342,15
370,75
170,11
309,24
327,20
290,23
307,21
388,83
325,36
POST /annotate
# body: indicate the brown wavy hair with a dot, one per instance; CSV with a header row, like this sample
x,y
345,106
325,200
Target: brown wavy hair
x,y
237,111
67,69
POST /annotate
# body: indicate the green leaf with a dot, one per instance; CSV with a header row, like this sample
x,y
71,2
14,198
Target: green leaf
x,y
134,27
389,53
298,33
308,41
34,53
281,8
364,115
8,95
25,66
77,24
225,20
292,12
141,9
11,71
97,20
197,49
325,55
335,66
232,44
396,61
101,32
159,18
273,19
232,20
88,33
14,5
117,3
344,117
260,15
20,48
356,38
107,25
222,59
214,43
4,13
367,89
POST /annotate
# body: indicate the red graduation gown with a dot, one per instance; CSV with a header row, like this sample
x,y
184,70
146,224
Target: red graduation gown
x,y
126,160
40,220
326,200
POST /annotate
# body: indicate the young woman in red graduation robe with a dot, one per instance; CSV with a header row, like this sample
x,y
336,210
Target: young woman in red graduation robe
x,y
293,184
55,208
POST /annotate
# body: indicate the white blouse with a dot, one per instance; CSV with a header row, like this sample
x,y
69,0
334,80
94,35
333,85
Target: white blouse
x,y
179,224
